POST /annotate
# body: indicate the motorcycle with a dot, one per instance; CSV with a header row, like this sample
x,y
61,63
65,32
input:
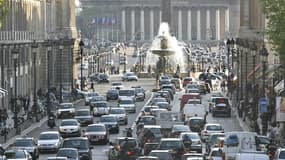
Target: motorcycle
x,y
51,122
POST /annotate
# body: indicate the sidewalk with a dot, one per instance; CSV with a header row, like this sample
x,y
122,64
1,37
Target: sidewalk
x,y
11,140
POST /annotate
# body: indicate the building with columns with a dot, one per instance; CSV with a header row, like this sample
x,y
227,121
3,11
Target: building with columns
x,y
50,24
191,20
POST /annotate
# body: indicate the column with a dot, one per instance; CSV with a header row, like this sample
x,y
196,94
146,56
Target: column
x,y
160,15
217,24
142,24
208,26
133,24
245,12
124,24
189,25
151,24
198,25
227,24
179,24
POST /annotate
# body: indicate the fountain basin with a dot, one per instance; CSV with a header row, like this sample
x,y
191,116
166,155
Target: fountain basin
x,y
163,52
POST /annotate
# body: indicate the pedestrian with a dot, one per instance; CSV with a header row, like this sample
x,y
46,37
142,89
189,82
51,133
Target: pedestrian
x,y
256,127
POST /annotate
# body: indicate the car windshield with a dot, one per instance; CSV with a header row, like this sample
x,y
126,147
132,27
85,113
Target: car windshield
x,y
68,123
113,91
108,119
181,128
155,131
214,128
48,136
126,102
147,120
117,111
217,154
282,155
126,92
101,104
15,155
139,90
164,145
67,153
23,143
196,121
93,94
191,136
65,106
95,129
131,143
222,100
130,74
79,144
82,113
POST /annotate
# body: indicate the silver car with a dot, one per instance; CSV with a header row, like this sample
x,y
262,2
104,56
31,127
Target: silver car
x,y
99,108
66,110
84,116
120,113
128,103
69,128
49,141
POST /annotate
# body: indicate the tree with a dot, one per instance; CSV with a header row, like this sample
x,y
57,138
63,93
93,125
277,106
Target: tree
x,y
3,10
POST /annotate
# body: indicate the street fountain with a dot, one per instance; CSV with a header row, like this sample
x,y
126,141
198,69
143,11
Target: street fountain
x,y
165,53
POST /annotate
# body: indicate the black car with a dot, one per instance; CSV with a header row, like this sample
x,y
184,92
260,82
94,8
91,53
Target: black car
x,y
112,94
81,144
103,78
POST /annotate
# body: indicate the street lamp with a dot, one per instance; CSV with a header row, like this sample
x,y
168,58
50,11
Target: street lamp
x,y
246,45
81,45
125,63
48,74
264,58
241,51
237,71
15,53
253,54
35,105
232,45
60,70
228,55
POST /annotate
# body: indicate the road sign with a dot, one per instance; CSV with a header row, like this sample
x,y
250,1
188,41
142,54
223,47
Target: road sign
x,y
263,105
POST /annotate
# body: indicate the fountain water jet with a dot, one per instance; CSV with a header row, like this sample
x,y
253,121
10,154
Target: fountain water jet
x,y
165,50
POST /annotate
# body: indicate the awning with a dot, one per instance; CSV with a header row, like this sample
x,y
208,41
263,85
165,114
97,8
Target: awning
x,y
257,67
279,87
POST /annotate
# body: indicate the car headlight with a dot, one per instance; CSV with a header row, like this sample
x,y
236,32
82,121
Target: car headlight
x,y
55,144
58,112
95,110
72,111
61,129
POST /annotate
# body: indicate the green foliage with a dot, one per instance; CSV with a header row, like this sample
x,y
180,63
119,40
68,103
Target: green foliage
x,y
3,10
275,14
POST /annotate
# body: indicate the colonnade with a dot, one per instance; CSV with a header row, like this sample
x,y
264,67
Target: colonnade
x,y
188,23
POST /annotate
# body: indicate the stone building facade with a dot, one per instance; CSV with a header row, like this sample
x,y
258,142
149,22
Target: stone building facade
x,y
191,20
50,24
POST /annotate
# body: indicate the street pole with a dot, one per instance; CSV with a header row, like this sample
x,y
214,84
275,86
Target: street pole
x,y
15,53
60,70
228,63
48,76
241,69
125,63
81,45
255,114
35,105
246,59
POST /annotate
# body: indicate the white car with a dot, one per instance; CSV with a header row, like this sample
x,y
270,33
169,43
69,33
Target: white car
x,y
90,96
120,113
65,110
280,154
69,128
128,103
117,85
49,141
99,108
211,128
216,154
130,77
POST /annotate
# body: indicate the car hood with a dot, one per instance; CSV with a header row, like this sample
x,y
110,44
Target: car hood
x,y
25,148
95,133
48,141
127,105
68,127
83,117
119,115
109,123
67,109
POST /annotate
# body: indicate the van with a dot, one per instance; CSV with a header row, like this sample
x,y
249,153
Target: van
x,y
251,156
190,110
238,142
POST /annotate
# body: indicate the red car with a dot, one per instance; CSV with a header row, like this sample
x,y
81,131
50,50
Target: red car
x,y
97,133
186,97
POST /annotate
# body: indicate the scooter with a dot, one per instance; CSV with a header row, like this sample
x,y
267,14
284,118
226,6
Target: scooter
x,y
51,122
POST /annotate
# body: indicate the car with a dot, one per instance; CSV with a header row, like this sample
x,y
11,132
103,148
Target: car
x,y
211,128
132,144
155,129
69,128
176,82
158,99
99,108
161,154
17,154
127,93
164,80
195,143
147,158
211,103
193,91
252,156
111,123
66,110
168,86
193,156
167,91
49,141
89,96
146,120
196,123
84,116
81,144
221,109
213,141
112,94
216,154
70,153
140,93
175,145
97,133
130,76
280,154
262,142
164,105
163,94
103,78
177,129
120,113
29,144
185,97
128,103
147,109
117,85
186,80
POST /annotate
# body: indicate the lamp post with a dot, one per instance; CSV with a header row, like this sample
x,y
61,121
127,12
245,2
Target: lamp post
x,y
60,70
228,54
253,54
125,65
15,53
48,74
232,44
246,45
264,58
237,71
241,44
81,45
35,103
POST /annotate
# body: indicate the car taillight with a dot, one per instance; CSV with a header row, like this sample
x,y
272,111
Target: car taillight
x,y
129,153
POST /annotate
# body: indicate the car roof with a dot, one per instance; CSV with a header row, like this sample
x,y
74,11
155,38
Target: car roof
x,y
152,126
108,115
213,124
126,98
64,120
170,139
83,109
75,138
29,138
125,137
50,132
164,151
182,133
196,118
117,108
96,124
